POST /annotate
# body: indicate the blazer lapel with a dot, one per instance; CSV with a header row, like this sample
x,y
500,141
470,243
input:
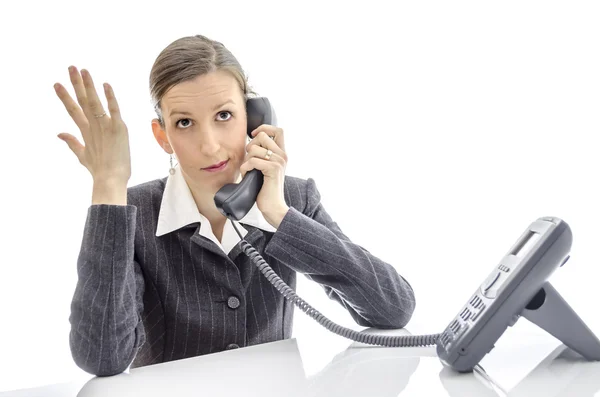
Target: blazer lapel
x,y
253,236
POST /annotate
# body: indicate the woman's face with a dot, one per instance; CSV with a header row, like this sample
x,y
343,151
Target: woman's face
x,y
205,122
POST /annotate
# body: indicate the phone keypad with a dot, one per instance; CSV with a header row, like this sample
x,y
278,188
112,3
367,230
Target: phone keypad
x,y
477,302
461,324
446,339
465,314
454,331
478,306
462,330
455,326
476,314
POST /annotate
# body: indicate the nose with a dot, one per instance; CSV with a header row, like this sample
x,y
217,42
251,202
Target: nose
x,y
209,142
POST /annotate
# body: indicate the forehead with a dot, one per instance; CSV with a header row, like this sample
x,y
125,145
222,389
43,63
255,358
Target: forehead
x,y
204,90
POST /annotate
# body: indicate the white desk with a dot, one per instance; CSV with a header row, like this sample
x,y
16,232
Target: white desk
x,y
276,369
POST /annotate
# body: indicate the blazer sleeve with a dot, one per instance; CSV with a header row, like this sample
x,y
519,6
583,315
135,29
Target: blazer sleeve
x,y
106,326
311,243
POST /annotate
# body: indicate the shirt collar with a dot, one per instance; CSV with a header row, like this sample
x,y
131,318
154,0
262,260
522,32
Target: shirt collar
x,y
179,209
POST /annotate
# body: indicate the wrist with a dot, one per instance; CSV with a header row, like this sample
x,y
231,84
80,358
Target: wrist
x,y
110,182
112,192
276,217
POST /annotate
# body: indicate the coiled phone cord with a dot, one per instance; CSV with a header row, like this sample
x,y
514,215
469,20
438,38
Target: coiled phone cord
x,y
290,294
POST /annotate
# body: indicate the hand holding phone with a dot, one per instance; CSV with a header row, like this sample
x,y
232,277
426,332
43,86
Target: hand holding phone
x,y
235,200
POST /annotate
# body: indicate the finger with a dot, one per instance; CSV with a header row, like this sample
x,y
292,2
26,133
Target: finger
x,y
263,140
267,167
275,133
80,93
76,147
271,129
261,152
73,109
95,106
113,105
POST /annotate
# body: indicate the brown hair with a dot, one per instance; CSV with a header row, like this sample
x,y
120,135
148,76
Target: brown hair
x,y
187,58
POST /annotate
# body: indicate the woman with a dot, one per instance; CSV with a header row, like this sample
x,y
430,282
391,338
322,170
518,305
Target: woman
x,y
161,275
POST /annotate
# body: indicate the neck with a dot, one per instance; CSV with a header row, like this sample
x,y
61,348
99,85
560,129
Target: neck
x,y
206,206
204,199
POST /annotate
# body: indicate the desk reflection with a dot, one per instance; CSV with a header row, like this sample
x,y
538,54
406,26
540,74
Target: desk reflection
x,y
275,369
562,373
365,370
272,369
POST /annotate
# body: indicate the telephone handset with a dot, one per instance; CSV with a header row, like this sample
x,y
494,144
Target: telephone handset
x,y
234,200
516,287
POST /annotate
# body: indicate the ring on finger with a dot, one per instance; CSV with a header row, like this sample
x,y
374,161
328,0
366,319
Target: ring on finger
x,y
268,155
100,115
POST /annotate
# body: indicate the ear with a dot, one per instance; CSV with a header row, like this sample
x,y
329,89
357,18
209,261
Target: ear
x,y
161,137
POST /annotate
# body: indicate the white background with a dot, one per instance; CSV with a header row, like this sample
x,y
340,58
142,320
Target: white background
x,y
436,133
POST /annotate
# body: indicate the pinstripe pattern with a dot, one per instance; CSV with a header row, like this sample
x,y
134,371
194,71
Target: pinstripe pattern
x,y
142,299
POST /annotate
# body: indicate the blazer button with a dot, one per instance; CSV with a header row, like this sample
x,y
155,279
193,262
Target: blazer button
x,y
233,302
232,346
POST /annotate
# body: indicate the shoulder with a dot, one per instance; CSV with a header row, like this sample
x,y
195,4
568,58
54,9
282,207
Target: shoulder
x,y
300,193
150,190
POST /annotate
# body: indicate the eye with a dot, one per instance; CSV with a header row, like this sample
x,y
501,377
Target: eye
x,y
177,123
224,112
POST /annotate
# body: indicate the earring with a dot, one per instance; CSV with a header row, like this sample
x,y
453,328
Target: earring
x,y
172,169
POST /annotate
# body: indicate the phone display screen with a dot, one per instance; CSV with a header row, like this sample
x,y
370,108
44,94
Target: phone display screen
x,y
525,245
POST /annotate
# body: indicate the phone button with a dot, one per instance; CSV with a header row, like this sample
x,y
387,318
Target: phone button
x,y
486,288
505,269
232,346
462,330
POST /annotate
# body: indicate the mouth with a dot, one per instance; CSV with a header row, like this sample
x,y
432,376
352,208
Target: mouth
x,y
217,167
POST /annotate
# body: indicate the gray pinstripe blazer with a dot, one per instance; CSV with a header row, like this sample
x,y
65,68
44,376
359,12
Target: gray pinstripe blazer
x,y
142,299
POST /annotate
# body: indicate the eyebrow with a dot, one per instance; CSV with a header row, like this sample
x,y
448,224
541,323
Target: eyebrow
x,y
175,111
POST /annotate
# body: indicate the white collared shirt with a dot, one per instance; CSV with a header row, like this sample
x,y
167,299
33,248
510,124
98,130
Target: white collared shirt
x,y
179,209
